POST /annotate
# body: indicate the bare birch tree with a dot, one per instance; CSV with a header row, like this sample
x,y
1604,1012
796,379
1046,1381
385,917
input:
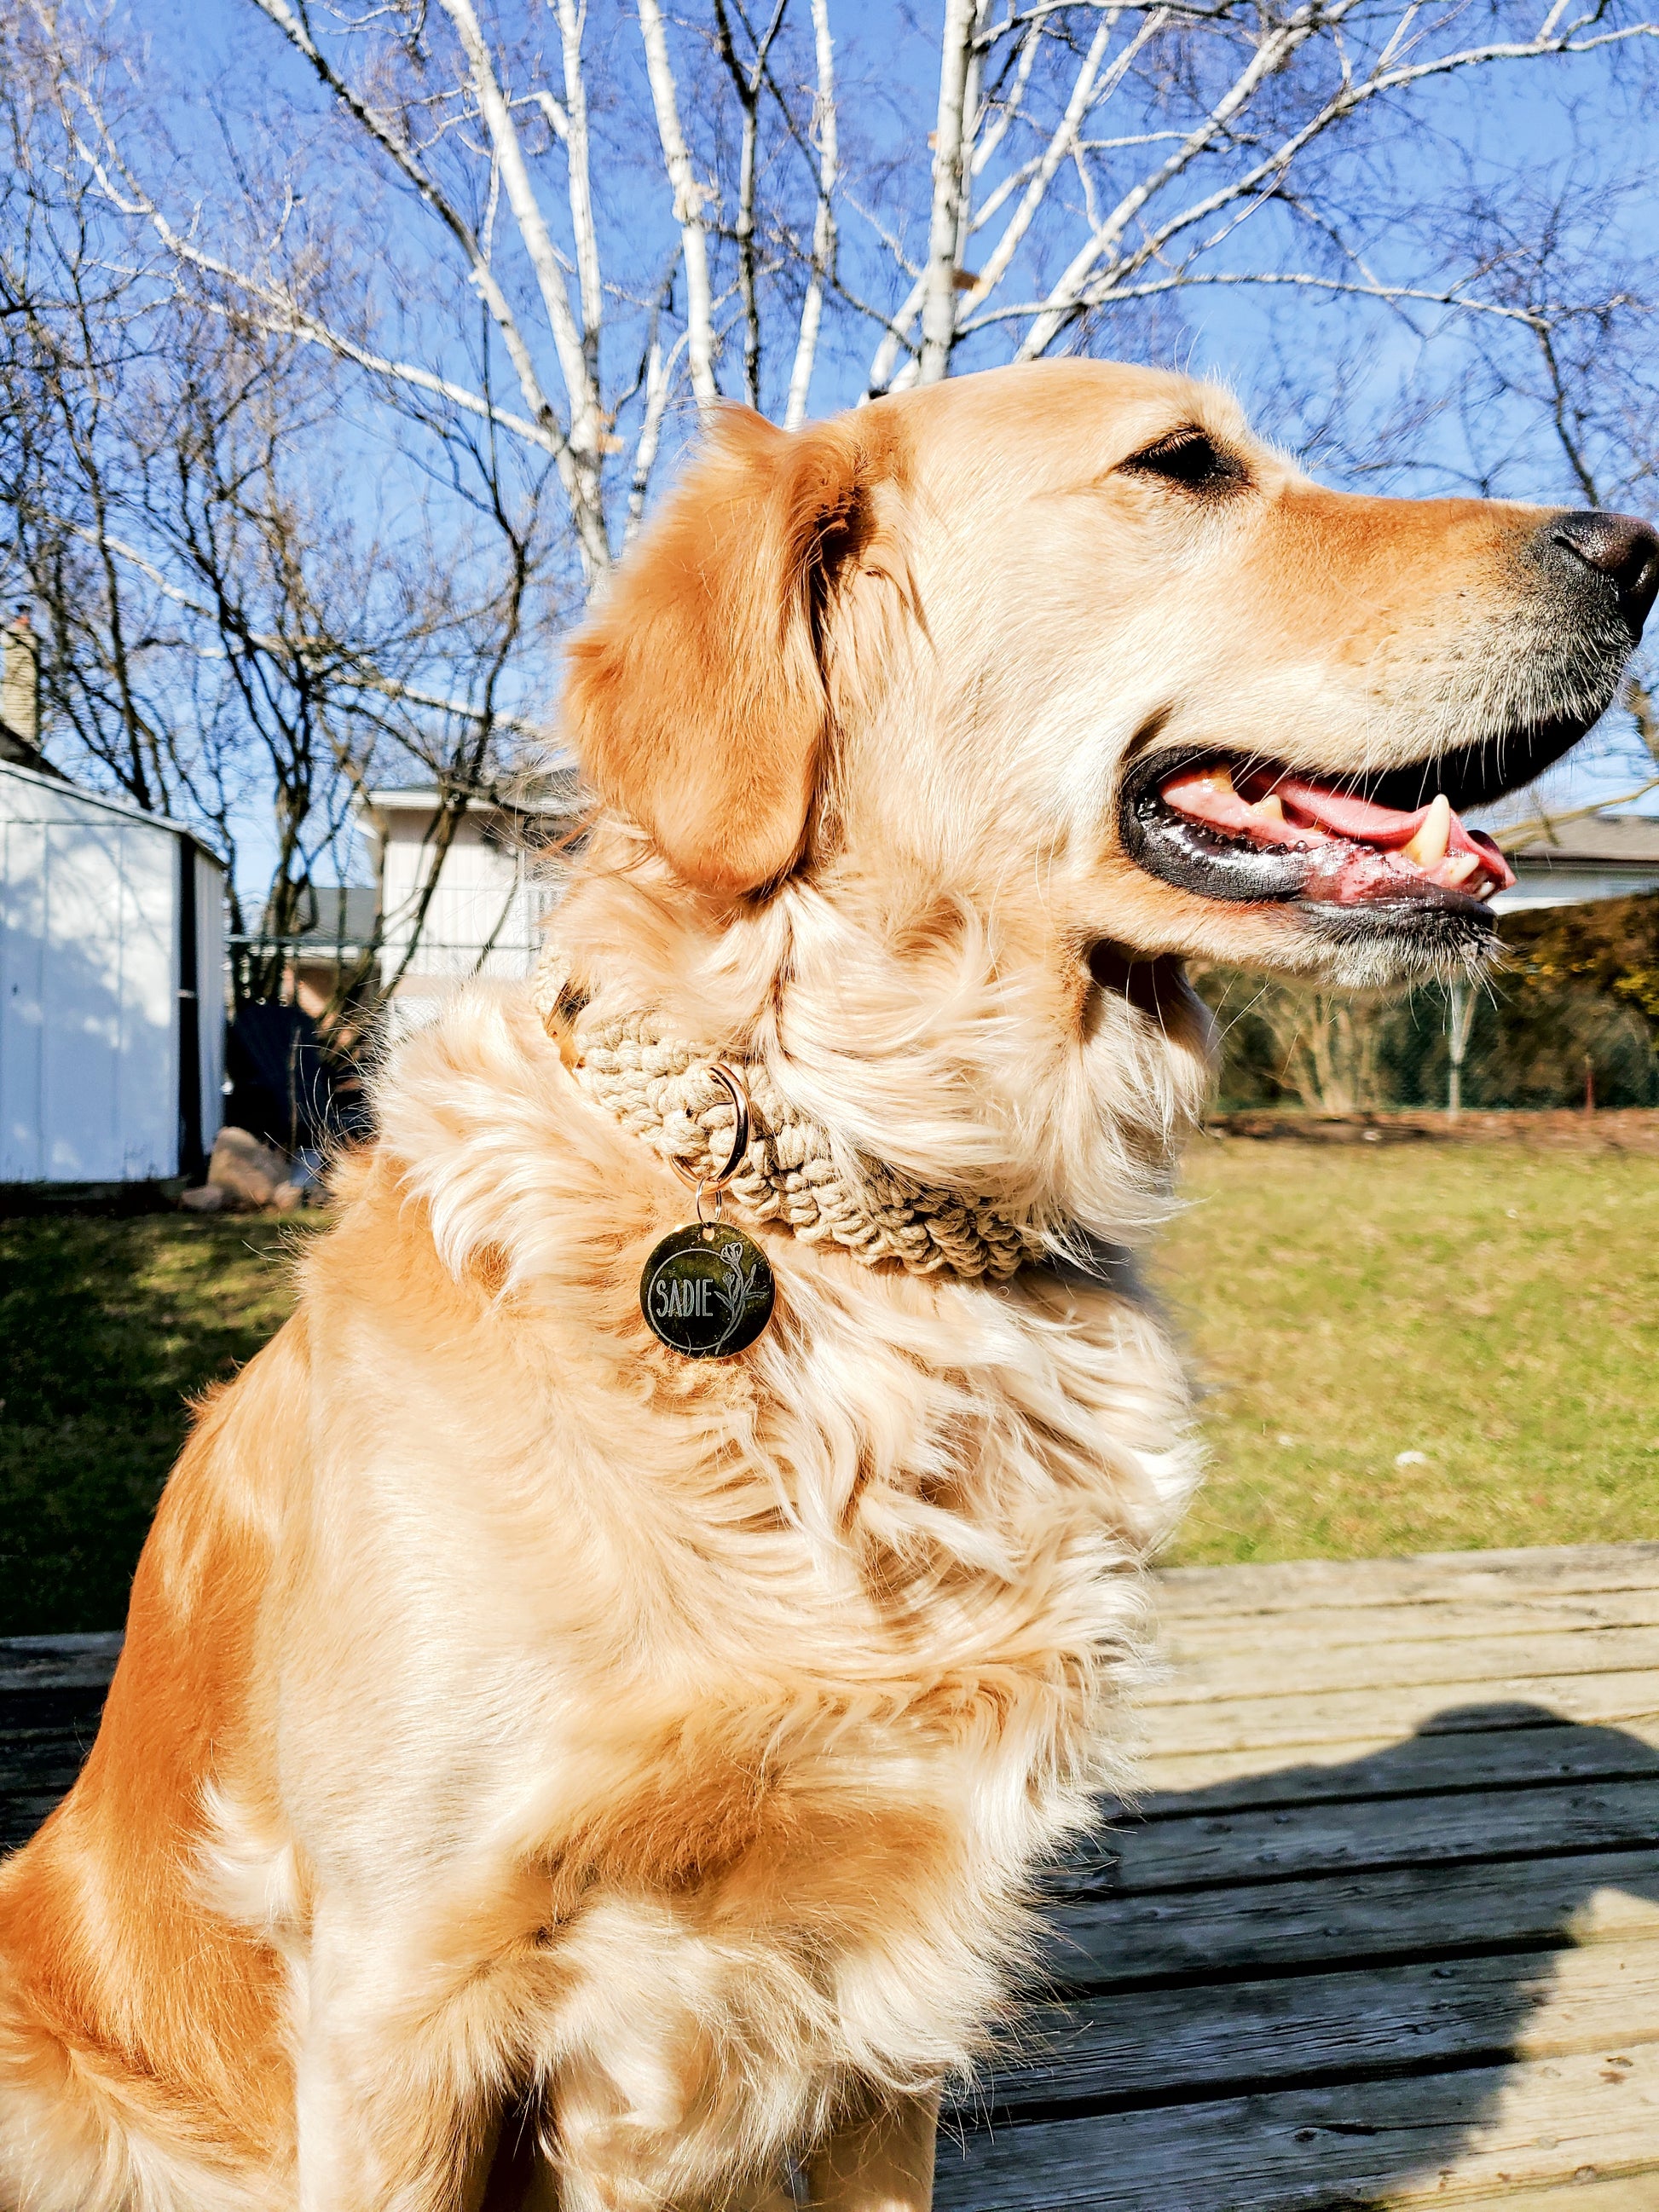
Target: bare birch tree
x,y
231,633
522,249
1085,156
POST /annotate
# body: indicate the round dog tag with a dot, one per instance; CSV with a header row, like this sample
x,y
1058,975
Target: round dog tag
x,y
707,1289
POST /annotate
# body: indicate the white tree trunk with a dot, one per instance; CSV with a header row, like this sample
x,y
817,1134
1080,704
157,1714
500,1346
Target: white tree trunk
x,y
688,205
586,426
823,222
939,300
571,18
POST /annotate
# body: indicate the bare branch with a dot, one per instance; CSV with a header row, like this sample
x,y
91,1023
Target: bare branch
x,y
558,121
576,471
285,316
895,339
747,81
1066,297
1077,291
988,141
1187,279
352,674
659,382
1571,446
1060,144
586,425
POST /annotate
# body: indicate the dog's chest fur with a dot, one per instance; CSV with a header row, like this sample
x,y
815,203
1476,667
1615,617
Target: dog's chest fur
x,y
819,1648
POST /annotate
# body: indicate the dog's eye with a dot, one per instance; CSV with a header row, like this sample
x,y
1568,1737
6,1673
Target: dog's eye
x,y
1190,458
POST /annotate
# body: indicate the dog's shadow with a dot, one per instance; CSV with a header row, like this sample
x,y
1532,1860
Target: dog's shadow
x,y
1315,1986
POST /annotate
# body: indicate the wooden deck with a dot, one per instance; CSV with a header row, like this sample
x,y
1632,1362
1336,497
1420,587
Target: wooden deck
x,y
1383,1932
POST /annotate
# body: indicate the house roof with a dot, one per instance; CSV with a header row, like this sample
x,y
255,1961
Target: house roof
x,y
23,752
1614,841
336,918
554,791
56,790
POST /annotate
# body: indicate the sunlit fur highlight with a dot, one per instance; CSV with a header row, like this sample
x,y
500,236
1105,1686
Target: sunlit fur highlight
x,y
516,1717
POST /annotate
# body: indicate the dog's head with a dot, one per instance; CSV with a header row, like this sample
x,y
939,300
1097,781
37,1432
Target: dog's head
x,y
1069,651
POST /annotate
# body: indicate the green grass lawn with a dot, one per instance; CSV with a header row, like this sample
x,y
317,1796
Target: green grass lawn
x,y
106,1327
1494,1309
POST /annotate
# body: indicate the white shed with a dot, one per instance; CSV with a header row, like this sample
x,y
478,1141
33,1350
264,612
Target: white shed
x,y
111,988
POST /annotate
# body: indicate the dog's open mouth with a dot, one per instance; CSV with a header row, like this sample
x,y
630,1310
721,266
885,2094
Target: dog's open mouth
x,y
1385,851
1237,829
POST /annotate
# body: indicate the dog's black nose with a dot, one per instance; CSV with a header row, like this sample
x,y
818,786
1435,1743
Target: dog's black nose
x,y
1616,546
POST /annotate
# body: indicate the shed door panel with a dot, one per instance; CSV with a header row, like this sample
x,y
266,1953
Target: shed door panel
x,y
211,989
22,959
103,1009
147,1065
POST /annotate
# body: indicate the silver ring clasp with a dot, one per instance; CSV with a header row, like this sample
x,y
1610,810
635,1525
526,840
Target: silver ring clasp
x,y
738,1091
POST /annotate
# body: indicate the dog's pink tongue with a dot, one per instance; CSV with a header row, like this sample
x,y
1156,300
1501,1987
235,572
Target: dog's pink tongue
x,y
1346,816
1372,848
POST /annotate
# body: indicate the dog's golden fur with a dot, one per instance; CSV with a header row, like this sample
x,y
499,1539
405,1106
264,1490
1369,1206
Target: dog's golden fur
x,y
515,1717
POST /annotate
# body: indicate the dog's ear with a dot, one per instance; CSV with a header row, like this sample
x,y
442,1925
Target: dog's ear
x,y
695,694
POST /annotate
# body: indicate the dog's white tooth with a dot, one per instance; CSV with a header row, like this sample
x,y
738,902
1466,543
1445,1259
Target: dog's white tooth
x,y
1457,870
1428,847
1272,806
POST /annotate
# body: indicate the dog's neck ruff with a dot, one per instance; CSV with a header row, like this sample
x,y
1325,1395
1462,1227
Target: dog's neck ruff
x,y
662,1089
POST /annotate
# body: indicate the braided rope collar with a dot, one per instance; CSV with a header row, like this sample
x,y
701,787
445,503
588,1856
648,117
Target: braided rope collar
x,y
661,1089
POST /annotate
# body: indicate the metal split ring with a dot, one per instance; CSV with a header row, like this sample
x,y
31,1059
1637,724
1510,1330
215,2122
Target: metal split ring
x,y
738,1091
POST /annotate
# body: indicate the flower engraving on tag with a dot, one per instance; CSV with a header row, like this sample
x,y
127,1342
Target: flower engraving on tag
x,y
707,1289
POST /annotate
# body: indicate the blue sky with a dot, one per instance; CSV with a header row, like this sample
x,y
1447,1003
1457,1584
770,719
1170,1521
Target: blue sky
x,y
1506,131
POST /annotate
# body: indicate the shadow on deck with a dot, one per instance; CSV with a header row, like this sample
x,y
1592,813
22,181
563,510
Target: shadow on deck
x,y
1383,1932
1411,1975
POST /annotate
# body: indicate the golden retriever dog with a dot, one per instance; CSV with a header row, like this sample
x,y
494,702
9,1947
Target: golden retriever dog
x,y
547,1767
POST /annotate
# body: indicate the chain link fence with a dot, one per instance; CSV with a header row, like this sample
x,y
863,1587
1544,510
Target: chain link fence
x,y
1570,1018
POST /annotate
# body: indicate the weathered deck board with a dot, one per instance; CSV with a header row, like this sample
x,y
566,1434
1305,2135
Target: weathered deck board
x,y
51,1688
1391,1663
1330,1627
1205,1848
1634,2195
1383,1928
1103,2052
1357,1919
1436,1578
1293,1720
1381,1766
1440,2139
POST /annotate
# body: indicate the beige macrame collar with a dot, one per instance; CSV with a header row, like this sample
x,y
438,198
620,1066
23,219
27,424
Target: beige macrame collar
x,y
662,1089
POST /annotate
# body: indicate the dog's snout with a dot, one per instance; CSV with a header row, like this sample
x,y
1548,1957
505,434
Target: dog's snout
x,y
1618,547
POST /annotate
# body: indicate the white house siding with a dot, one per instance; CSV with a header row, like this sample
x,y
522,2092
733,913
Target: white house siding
x,y
90,980
1573,886
485,914
1585,857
